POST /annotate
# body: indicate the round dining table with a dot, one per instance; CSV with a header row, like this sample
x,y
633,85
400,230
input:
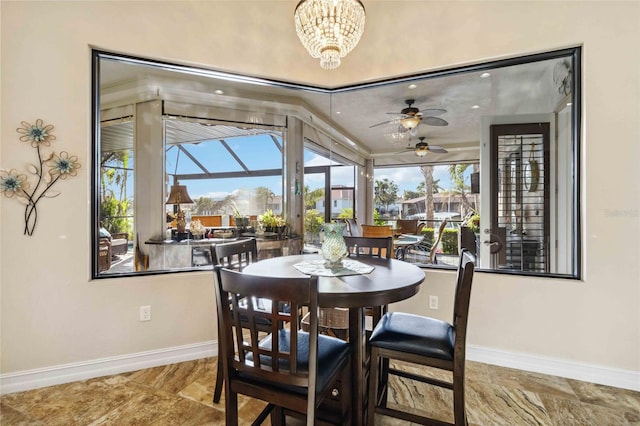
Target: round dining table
x,y
390,281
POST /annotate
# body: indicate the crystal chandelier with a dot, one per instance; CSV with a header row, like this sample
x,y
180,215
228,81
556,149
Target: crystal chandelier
x,y
329,29
394,132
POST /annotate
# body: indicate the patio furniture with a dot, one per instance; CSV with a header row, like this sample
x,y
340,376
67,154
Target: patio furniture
x,y
426,341
407,226
104,254
119,243
428,248
377,231
292,370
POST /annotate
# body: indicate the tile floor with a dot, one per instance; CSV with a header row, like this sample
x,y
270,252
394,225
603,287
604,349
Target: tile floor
x,y
180,394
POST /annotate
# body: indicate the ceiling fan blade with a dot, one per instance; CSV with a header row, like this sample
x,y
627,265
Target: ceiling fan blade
x,y
435,121
432,112
437,149
380,124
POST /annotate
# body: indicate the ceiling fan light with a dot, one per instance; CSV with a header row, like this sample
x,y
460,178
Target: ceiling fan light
x,y
410,122
329,29
421,152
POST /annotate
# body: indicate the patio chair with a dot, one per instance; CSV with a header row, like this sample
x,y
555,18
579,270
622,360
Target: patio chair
x,y
407,226
430,249
290,369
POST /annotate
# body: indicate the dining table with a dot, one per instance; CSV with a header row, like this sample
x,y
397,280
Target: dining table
x,y
384,281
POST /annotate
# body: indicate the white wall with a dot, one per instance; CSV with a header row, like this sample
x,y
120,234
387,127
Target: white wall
x,y
52,314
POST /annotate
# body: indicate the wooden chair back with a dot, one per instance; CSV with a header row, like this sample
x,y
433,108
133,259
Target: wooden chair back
x,y
369,246
235,254
267,369
241,345
377,231
461,301
353,228
407,226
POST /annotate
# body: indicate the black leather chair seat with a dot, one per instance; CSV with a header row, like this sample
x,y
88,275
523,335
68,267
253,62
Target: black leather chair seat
x,y
415,334
331,352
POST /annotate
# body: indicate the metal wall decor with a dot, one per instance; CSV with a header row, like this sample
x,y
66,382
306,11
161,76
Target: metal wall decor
x,y
51,168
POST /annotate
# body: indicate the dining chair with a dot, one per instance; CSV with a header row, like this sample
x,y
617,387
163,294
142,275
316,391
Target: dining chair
x,y
292,370
353,227
236,255
369,246
381,247
376,230
426,341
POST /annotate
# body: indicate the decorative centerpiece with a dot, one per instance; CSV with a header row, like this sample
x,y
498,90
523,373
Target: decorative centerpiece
x,y
196,228
334,249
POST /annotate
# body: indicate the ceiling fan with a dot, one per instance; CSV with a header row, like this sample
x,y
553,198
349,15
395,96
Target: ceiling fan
x,y
422,148
411,116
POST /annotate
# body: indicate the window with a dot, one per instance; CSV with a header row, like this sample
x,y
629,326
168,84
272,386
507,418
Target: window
x,y
509,128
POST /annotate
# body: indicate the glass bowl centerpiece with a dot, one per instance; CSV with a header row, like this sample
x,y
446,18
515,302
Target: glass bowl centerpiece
x,y
334,249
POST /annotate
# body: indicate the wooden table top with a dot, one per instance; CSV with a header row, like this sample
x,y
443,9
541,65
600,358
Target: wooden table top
x,y
390,281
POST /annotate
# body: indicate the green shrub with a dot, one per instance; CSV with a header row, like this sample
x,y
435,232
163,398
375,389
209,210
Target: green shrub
x,y
376,218
313,221
428,234
449,241
113,216
346,213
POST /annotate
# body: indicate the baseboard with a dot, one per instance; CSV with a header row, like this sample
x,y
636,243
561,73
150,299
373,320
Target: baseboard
x,y
41,377
32,379
626,379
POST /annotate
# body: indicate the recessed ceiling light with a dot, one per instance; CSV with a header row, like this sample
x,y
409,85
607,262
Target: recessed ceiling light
x,y
218,92
475,106
569,103
485,75
412,86
337,112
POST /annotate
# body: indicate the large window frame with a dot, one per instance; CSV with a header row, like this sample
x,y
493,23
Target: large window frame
x,y
342,144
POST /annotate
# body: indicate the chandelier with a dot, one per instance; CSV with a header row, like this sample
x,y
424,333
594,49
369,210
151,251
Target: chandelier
x,y
329,29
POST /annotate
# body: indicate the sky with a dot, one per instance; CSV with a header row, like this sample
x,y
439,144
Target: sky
x,y
260,152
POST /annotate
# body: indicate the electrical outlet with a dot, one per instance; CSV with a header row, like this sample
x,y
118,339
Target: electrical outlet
x,y
145,313
433,302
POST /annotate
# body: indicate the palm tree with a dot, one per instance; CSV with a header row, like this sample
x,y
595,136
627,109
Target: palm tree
x,y
456,171
263,196
427,172
436,187
386,193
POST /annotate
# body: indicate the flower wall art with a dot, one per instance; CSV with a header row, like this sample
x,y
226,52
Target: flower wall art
x,y
30,187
